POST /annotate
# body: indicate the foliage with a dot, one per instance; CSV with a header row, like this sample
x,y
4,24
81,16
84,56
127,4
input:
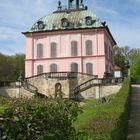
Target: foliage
x,y
11,66
28,119
123,54
134,55
135,71
57,119
107,121
119,58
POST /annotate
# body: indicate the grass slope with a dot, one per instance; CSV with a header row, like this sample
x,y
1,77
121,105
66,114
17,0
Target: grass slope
x,y
108,121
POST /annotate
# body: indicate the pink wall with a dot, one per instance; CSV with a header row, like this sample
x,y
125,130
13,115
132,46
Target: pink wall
x,y
64,59
109,61
29,47
29,68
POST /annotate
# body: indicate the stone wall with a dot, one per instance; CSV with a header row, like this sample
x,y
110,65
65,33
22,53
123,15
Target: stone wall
x,y
89,94
14,92
109,89
46,86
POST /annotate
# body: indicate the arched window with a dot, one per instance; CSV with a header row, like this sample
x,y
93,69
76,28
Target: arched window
x,y
53,68
89,68
39,50
74,67
39,69
74,49
53,50
88,47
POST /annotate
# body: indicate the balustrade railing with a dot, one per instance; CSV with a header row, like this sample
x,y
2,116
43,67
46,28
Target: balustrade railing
x,y
68,75
92,82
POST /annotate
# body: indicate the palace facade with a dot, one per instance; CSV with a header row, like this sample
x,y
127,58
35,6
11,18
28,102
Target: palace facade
x,y
71,39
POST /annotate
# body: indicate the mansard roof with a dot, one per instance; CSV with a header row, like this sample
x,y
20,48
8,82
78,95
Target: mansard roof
x,y
73,19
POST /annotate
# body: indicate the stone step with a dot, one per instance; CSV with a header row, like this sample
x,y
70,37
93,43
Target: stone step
x,y
134,122
134,126
135,136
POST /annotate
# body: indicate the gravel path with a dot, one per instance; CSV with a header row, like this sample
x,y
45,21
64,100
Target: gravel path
x,y
134,122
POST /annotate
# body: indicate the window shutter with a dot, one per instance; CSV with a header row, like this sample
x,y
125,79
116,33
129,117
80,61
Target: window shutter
x,y
89,68
88,47
53,68
53,50
39,69
74,49
39,51
74,67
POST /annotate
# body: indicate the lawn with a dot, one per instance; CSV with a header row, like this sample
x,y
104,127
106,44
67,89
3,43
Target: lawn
x,y
90,111
109,120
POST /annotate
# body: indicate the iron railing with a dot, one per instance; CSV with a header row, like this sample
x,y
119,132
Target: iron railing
x,y
92,82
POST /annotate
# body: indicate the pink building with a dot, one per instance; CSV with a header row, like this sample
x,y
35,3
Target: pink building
x,y
71,39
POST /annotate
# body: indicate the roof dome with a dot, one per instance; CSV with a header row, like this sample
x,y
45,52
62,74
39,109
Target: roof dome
x,y
71,18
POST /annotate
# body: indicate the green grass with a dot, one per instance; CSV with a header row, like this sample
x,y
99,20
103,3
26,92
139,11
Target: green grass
x,y
107,121
90,111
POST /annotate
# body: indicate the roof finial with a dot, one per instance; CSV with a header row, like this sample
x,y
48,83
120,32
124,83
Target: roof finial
x,y
59,5
69,3
81,4
77,4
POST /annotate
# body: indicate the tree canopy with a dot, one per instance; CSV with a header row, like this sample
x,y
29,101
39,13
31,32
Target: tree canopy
x,y
135,71
125,56
11,66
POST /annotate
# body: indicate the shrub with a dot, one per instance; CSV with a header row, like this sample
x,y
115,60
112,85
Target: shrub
x,y
28,119
135,74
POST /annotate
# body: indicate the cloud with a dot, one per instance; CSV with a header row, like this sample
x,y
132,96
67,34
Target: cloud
x,y
11,40
126,34
18,16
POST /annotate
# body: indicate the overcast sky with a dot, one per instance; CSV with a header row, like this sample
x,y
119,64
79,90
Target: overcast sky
x,y
16,16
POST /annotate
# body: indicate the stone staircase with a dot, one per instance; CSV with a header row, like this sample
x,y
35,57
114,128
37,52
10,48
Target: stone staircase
x,y
31,88
86,85
94,82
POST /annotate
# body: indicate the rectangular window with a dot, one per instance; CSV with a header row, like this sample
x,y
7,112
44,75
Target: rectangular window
x,y
74,49
53,50
88,48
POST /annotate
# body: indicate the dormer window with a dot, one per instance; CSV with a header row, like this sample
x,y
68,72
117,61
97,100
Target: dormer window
x,y
64,23
40,25
89,21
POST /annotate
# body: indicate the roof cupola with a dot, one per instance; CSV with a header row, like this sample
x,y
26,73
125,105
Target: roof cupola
x,y
72,5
